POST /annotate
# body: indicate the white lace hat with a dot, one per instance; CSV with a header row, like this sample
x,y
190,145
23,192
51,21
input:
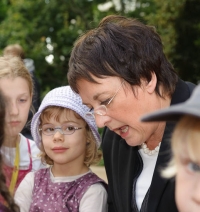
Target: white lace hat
x,y
63,97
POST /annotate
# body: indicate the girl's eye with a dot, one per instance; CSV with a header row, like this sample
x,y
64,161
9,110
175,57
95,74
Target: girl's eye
x,y
68,128
49,129
22,100
71,128
193,167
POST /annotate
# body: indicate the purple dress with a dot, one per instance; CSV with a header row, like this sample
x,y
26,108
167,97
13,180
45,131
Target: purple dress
x,y
4,208
62,196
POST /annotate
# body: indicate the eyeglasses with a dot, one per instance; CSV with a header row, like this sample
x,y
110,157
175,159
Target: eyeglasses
x,y
102,109
66,129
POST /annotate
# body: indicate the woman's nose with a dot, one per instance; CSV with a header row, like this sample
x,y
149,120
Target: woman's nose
x,y
101,121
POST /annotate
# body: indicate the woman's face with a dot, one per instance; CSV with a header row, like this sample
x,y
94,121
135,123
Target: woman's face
x,y
188,183
124,111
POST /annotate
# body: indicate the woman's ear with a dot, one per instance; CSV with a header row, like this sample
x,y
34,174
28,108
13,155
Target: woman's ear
x,y
151,85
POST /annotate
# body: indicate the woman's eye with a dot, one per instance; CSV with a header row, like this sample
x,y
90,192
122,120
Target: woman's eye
x,y
105,102
193,167
91,109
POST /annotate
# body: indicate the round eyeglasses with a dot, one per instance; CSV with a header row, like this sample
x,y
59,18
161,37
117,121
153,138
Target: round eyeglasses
x,y
102,109
65,129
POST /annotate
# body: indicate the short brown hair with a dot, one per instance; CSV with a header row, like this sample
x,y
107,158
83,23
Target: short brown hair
x,y
122,47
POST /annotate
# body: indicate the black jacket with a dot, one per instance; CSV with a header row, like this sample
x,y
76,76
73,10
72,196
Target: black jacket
x,y
123,165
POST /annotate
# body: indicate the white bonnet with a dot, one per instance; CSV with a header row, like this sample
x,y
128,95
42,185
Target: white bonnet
x,y
63,97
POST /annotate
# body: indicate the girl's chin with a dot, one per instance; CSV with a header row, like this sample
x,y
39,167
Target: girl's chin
x,y
13,133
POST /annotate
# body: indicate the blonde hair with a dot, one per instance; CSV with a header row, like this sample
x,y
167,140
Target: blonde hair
x,y
14,67
92,155
185,136
14,50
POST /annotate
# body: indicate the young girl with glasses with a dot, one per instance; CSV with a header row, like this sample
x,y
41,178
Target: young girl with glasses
x,y
69,143
20,154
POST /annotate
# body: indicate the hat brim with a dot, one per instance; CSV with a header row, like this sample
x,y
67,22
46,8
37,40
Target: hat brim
x,y
173,113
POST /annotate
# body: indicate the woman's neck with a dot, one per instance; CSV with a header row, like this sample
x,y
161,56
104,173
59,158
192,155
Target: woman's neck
x,y
10,141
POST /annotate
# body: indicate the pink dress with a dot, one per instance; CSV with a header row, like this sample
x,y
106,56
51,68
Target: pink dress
x,y
21,174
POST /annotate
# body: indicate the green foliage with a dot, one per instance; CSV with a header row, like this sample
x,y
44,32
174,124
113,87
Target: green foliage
x,y
164,20
38,24
187,47
178,24
101,163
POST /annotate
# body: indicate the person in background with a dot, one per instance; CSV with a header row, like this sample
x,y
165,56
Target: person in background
x,y
9,204
69,144
121,72
185,162
20,154
18,51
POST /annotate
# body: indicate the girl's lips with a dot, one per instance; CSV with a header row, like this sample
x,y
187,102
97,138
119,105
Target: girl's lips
x,y
14,123
59,149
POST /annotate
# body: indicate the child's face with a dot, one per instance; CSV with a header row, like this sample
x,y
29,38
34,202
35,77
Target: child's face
x,y
18,102
66,149
188,184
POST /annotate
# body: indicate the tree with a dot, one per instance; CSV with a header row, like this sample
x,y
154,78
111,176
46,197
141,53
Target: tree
x,y
187,47
48,27
178,23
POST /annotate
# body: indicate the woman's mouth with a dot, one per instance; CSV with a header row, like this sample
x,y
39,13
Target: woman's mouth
x,y
124,129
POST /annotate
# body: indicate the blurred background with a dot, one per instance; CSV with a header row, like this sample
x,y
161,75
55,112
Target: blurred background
x,y
47,29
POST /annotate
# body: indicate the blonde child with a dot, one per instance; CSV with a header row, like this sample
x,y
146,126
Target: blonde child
x,y
8,199
17,51
19,153
185,162
69,143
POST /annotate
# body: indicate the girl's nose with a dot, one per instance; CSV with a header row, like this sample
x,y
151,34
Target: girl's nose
x,y
13,109
196,192
58,136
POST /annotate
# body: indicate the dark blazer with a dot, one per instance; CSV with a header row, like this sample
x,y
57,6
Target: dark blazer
x,y
124,164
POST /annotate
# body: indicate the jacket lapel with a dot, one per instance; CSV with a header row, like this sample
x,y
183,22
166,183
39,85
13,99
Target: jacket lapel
x,y
120,170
